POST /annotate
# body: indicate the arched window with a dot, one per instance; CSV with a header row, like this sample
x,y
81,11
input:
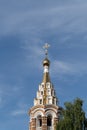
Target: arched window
x,y
39,119
49,120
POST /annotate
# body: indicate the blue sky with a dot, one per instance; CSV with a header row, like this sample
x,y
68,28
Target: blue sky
x,y
24,28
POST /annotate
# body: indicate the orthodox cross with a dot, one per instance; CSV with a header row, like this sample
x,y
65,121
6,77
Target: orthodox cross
x,y
46,46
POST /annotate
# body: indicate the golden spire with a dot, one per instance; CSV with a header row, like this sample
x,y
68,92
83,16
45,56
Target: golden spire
x,y
46,64
46,77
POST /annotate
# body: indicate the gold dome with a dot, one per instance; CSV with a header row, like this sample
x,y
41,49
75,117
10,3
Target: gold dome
x,y
46,62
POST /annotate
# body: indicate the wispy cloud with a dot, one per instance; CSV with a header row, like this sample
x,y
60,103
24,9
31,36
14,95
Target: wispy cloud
x,y
21,109
18,112
67,68
8,92
35,49
33,54
76,67
33,21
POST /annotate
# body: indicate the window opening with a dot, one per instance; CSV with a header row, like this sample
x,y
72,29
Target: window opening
x,y
49,120
41,92
40,101
39,121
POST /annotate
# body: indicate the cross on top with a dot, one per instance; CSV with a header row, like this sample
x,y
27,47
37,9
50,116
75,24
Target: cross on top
x,y
46,46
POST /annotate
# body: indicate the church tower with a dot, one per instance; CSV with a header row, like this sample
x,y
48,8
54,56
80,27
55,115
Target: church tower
x,y
45,113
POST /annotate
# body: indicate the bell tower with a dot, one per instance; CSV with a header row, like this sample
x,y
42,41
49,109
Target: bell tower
x,y
45,113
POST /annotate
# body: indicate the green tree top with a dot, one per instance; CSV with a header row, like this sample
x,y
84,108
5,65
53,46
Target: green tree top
x,y
73,116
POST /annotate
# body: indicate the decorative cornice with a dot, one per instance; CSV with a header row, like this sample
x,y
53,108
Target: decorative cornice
x,y
44,107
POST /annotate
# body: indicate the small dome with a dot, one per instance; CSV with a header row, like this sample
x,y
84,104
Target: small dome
x,y
46,62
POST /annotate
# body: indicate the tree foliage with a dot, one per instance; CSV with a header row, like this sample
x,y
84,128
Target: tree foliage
x,y
73,116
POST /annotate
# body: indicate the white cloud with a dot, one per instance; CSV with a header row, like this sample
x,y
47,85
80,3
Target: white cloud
x,y
22,109
18,112
65,17
67,68
35,49
33,54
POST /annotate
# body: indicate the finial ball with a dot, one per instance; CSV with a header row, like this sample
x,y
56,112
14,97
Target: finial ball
x,y
46,62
